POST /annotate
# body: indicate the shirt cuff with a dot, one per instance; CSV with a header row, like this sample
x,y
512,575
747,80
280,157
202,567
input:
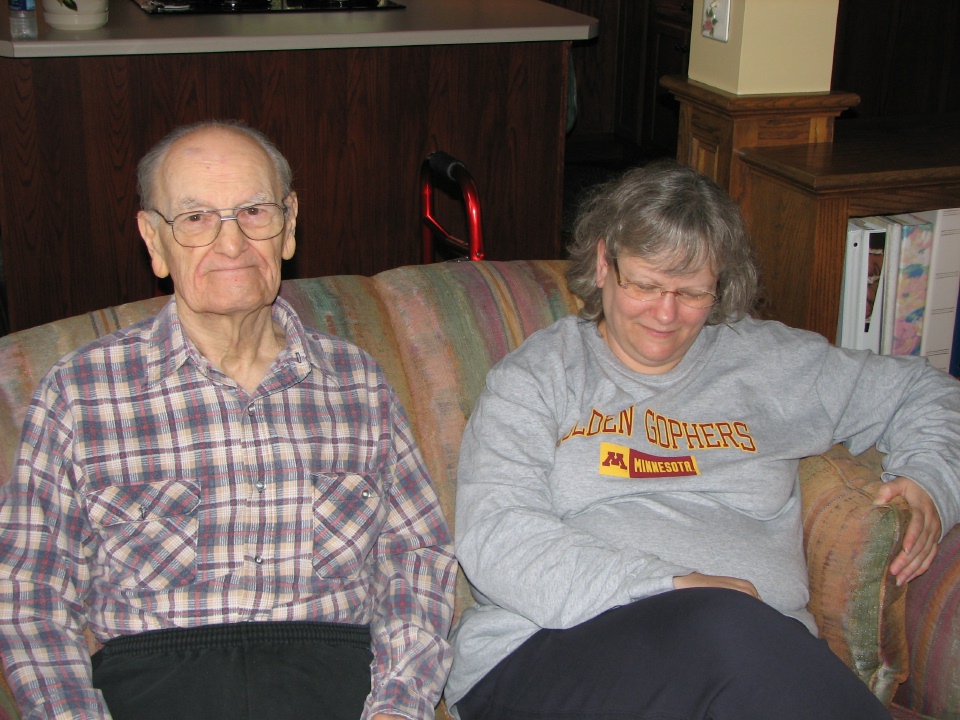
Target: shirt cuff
x,y
397,697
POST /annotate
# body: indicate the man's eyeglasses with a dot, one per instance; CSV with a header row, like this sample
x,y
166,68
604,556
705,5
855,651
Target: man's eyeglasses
x,y
642,292
199,228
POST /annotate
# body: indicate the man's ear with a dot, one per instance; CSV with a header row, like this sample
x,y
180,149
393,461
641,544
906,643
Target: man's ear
x,y
150,232
289,246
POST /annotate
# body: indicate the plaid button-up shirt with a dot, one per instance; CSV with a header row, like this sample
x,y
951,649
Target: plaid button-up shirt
x,y
152,492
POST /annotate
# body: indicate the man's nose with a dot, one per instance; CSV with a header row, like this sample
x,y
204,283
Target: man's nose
x,y
231,238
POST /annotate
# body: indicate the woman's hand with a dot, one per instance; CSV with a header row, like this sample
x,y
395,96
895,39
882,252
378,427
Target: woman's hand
x,y
923,532
715,581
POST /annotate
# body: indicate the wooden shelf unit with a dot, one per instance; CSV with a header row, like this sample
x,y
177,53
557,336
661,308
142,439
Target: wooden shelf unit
x,y
715,124
797,184
797,199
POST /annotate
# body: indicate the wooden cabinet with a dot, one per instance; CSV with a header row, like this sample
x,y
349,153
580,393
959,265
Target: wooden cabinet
x,y
634,19
797,199
716,124
798,175
667,53
618,72
900,56
598,63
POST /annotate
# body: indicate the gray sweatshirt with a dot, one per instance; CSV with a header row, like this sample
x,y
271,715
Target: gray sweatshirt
x,y
583,485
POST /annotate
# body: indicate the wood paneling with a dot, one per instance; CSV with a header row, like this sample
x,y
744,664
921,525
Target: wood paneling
x,y
900,56
354,123
667,53
596,62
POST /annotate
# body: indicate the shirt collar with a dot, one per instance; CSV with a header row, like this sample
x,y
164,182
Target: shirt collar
x,y
168,346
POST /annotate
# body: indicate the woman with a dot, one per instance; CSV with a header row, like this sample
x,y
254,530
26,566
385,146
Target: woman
x,y
628,510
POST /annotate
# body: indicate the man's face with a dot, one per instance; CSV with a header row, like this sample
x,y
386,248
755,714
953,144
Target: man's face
x,y
218,169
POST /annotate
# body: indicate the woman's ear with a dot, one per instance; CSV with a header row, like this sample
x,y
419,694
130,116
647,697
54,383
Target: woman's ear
x,y
603,267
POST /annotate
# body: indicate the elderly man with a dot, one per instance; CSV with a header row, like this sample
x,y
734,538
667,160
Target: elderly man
x,y
231,502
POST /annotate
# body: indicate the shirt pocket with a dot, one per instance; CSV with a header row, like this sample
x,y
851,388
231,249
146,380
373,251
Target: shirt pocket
x,y
148,532
347,515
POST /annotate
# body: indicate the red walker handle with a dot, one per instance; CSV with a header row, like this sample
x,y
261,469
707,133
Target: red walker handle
x,y
441,164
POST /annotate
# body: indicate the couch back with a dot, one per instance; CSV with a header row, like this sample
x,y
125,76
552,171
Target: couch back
x,y
435,329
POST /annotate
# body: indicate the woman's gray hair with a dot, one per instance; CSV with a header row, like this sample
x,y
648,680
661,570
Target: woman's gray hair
x,y
149,165
674,217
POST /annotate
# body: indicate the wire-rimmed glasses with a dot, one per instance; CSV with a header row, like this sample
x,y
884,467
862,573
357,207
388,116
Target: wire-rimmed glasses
x,y
199,228
643,292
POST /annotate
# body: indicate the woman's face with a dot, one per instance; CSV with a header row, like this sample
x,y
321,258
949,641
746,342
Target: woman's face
x,y
649,337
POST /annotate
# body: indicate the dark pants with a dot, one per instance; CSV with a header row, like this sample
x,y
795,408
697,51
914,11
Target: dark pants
x,y
275,670
700,653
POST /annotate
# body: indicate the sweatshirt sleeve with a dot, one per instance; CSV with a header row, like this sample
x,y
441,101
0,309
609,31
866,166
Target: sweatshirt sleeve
x,y
514,548
909,410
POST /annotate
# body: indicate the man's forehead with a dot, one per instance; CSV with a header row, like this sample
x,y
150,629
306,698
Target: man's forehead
x,y
226,154
213,143
185,202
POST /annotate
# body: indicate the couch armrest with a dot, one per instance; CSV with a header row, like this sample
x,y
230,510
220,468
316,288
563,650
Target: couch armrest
x,y
933,633
850,543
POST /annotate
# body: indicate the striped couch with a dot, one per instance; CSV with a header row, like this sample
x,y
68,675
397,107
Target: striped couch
x,y
437,329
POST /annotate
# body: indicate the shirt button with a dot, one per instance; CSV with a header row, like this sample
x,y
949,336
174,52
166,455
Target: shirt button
x,y
365,494
260,485
258,560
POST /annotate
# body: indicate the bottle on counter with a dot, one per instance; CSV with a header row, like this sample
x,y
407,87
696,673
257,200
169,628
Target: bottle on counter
x,y
23,19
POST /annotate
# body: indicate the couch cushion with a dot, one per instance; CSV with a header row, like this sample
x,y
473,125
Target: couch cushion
x,y
452,322
933,633
850,543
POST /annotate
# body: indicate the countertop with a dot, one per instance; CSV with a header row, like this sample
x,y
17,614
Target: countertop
x,y
131,31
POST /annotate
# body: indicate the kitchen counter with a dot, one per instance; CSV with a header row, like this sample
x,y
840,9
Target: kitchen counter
x,y
131,31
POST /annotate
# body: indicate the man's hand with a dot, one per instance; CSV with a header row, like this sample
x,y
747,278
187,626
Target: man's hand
x,y
923,532
385,716
715,581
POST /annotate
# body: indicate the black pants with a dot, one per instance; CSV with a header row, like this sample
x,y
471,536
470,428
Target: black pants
x,y
701,653
276,670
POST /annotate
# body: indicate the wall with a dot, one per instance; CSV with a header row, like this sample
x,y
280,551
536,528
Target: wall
x,y
774,46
